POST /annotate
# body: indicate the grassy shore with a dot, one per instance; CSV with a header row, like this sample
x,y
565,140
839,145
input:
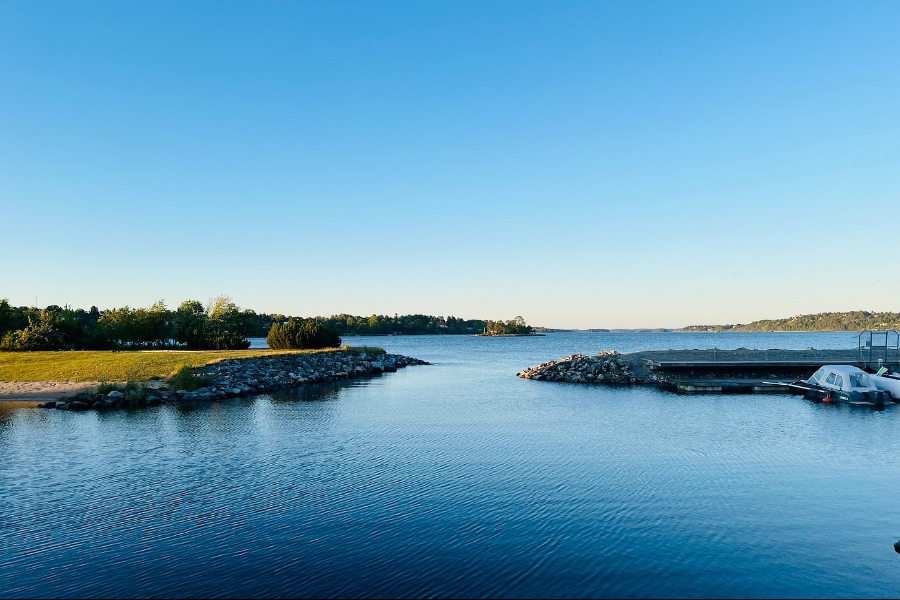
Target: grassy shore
x,y
119,366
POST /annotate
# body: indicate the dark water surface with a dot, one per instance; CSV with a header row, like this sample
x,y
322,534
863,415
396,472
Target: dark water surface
x,y
459,479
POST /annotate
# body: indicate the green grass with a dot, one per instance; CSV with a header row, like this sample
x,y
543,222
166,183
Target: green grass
x,y
115,366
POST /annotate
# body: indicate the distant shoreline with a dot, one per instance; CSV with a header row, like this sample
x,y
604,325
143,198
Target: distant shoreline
x,y
510,335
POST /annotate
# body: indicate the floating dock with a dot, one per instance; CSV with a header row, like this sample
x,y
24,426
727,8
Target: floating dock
x,y
751,371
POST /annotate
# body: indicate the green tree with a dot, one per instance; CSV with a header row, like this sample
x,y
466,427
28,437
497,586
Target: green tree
x,y
189,323
300,335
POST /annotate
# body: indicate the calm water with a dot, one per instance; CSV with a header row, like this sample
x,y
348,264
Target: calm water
x,y
459,479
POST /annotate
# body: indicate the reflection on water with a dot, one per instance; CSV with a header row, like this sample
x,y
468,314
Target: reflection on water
x,y
457,479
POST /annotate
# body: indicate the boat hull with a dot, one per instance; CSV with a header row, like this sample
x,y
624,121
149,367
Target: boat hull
x,y
889,385
876,398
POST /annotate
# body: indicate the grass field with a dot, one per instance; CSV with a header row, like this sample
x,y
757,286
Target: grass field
x,y
116,366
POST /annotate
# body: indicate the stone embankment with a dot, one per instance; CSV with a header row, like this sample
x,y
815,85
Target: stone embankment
x,y
604,367
243,377
673,367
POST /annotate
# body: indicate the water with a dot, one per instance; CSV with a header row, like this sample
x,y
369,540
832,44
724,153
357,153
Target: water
x,y
459,479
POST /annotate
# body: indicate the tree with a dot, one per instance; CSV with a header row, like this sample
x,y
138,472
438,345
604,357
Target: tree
x,y
189,323
8,320
298,335
221,308
40,334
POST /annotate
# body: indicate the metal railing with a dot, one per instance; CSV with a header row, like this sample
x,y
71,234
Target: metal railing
x,y
879,347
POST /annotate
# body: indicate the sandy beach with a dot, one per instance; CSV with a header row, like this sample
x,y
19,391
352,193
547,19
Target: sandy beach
x,y
42,390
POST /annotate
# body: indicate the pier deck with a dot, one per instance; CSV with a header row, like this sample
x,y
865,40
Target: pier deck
x,y
743,371
745,364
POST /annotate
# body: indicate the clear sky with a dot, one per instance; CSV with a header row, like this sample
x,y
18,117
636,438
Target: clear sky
x,y
582,164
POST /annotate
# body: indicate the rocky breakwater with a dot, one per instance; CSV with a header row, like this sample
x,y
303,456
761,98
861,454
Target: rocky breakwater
x,y
245,376
609,368
238,377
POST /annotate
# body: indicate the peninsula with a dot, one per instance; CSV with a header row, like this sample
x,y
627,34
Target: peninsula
x,y
830,321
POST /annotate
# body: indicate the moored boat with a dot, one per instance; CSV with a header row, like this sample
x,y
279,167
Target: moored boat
x,y
841,383
889,382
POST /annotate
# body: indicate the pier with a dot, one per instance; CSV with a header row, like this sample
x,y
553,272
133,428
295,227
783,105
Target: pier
x,y
715,371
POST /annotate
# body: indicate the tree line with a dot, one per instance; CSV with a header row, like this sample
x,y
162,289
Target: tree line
x,y
217,325
831,321
401,325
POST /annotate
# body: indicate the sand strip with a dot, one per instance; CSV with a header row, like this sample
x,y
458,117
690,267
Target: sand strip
x,y
42,390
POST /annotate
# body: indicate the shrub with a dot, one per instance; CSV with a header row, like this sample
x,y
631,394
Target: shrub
x,y
135,393
301,335
184,379
136,396
40,334
106,387
9,341
225,340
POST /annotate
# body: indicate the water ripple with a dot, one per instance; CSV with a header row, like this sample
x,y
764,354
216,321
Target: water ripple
x,y
453,480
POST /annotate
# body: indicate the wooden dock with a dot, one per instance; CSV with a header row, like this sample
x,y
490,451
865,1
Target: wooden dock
x,y
744,364
744,371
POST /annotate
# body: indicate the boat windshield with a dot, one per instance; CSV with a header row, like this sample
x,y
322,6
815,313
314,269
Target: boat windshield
x,y
860,380
817,376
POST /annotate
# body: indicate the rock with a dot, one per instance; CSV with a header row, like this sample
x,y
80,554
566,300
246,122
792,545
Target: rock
x,y
602,368
116,395
51,404
154,400
78,405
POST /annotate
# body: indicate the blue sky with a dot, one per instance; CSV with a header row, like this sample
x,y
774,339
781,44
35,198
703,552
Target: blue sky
x,y
583,164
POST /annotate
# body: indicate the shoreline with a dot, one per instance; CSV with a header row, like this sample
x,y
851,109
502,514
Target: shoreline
x,y
230,378
499,335
37,391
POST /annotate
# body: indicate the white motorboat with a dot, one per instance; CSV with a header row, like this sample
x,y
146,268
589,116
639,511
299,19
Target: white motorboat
x,y
841,383
888,381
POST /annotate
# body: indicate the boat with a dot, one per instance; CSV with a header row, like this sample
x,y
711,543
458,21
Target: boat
x,y
842,383
888,381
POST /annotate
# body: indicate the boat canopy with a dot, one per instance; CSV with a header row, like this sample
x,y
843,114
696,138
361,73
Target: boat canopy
x,y
841,377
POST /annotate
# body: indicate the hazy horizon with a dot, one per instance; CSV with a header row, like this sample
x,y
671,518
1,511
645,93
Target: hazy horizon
x,y
584,165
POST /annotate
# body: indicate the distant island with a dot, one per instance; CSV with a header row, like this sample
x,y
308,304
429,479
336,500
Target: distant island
x,y
830,321
513,328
